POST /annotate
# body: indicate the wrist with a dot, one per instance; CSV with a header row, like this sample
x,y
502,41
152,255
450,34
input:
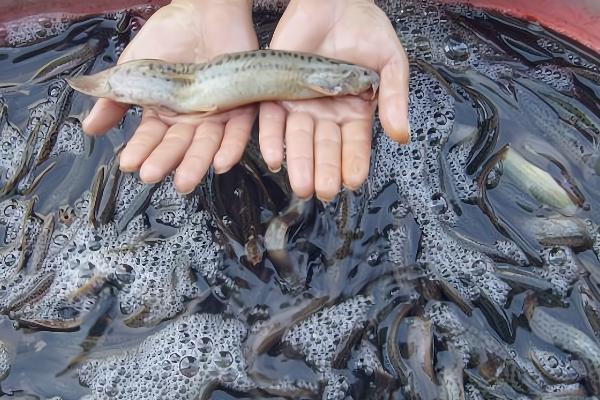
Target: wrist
x,y
203,5
336,4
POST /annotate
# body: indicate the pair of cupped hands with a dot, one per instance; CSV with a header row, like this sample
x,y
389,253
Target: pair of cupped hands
x,y
326,142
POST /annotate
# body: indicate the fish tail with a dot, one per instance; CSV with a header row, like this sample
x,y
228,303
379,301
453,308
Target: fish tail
x,y
94,85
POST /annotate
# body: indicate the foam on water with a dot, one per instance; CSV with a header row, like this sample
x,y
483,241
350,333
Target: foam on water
x,y
153,276
324,335
29,30
185,360
69,139
156,253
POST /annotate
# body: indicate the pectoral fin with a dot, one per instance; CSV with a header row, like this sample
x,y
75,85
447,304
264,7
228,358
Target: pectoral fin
x,y
163,110
169,112
213,108
325,90
323,85
207,110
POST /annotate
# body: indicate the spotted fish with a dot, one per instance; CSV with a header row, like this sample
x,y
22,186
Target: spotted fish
x,y
227,81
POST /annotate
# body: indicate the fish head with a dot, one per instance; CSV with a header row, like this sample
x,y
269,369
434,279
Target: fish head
x,y
344,79
359,80
254,248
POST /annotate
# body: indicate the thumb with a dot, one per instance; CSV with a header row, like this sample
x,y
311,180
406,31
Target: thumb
x,y
393,98
104,115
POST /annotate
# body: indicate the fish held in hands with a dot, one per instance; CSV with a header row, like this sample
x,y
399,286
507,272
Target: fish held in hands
x,y
228,81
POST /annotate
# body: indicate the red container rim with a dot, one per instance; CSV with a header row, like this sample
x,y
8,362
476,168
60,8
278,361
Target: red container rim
x,y
577,19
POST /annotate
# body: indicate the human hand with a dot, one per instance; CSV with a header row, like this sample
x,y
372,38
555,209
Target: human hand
x,y
328,140
184,31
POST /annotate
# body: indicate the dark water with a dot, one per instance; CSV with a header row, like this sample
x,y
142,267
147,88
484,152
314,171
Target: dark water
x,y
411,287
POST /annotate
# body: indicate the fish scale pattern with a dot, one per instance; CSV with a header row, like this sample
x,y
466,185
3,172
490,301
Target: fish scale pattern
x,y
13,150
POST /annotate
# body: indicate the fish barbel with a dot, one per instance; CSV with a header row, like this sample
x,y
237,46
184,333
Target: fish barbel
x,y
227,81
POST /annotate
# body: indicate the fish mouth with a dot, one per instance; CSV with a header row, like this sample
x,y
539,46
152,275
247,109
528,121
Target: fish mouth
x,y
369,94
94,85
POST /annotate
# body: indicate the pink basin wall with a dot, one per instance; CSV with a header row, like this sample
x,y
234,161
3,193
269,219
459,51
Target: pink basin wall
x,y
579,19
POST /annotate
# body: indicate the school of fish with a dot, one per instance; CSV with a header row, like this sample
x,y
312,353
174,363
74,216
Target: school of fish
x,y
466,267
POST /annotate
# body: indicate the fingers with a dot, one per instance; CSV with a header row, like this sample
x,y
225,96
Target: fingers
x,y
199,156
328,159
145,139
104,115
393,98
271,121
301,28
299,139
235,137
168,154
356,152
320,155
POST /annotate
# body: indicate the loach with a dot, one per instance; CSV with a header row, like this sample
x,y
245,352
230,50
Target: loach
x,y
227,81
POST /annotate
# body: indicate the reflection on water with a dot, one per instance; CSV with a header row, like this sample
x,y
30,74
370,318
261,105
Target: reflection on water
x,y
466,267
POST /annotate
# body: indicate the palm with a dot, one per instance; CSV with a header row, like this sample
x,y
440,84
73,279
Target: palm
x,y
346,36
181,32
339,129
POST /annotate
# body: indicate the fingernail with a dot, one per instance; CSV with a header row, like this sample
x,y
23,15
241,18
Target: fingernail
x,y
149,176
273,166
126,168
180,188
150,181
85,123
351,186
217,166
409,133
273,159
274,170
220,170
125,164
326,199
184,192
